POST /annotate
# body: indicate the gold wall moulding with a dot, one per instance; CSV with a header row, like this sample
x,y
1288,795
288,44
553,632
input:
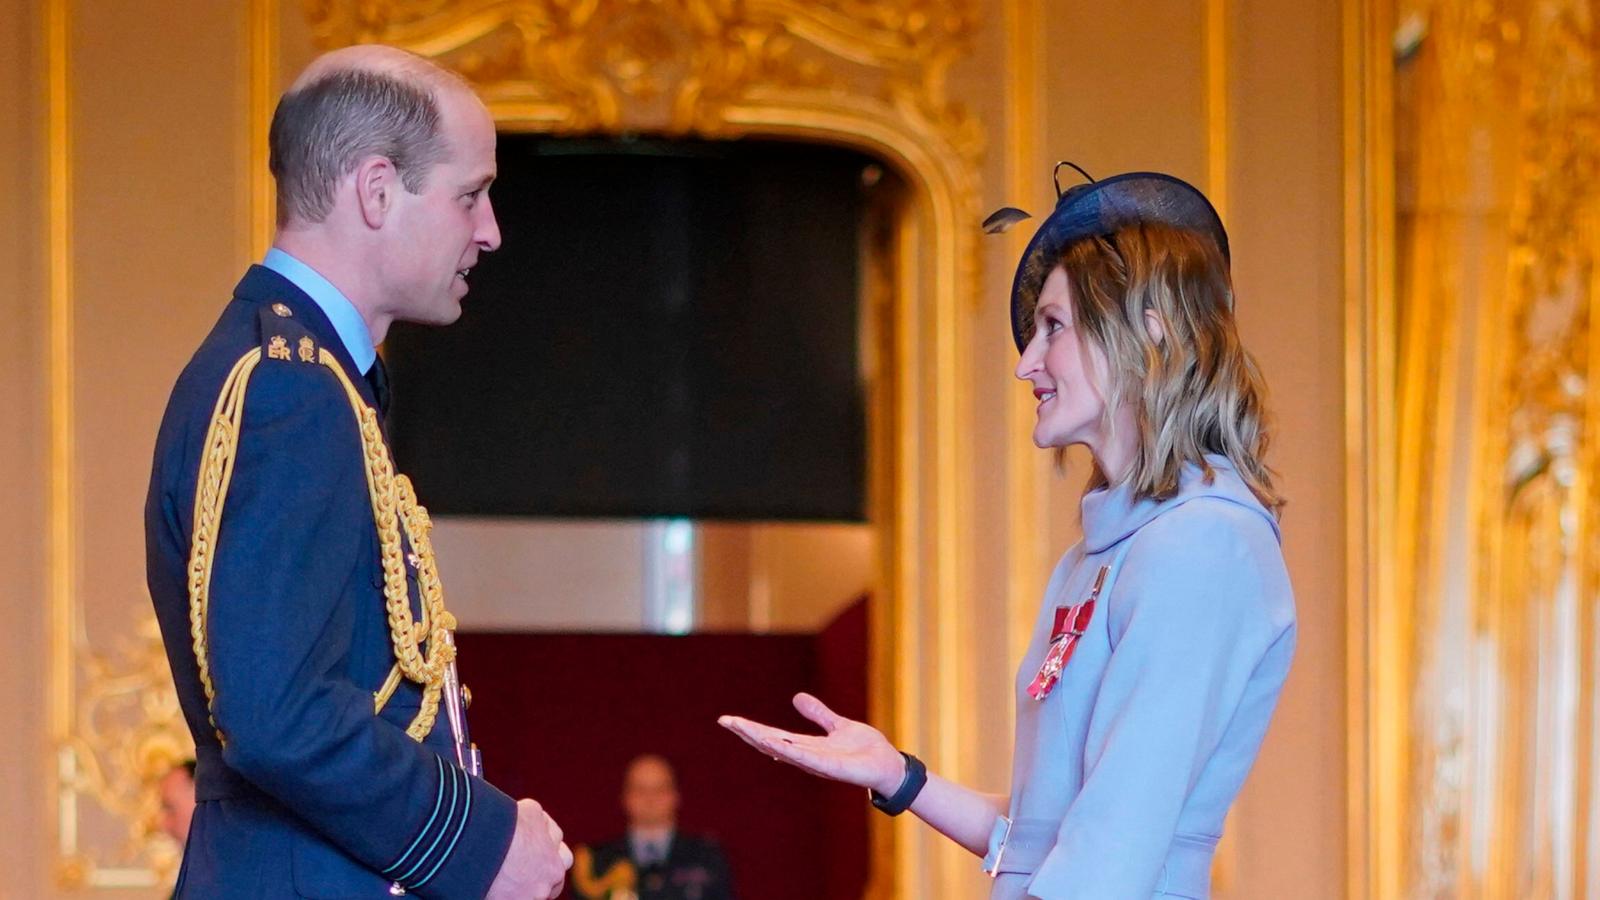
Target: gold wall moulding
x,y
865,74
127,732
1473,261
670,66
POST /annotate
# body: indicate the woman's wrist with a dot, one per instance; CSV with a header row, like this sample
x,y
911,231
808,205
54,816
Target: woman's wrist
x,y
893,777
898,799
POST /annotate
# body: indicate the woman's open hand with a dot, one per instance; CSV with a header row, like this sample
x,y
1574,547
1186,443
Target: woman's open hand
x,y
849,751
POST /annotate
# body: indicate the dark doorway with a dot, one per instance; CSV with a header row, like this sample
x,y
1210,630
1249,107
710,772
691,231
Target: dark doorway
x,y
671,329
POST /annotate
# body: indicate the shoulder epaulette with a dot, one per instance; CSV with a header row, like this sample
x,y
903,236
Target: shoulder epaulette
x,y
284,338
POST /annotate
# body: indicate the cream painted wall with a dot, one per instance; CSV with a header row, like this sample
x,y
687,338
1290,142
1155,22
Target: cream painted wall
x,y
1286,222
804,574
542,575
157,246
590,575
161,230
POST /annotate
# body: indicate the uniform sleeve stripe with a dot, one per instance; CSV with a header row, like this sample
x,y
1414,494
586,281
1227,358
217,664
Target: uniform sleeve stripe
x,y
455,788
460,827
437,802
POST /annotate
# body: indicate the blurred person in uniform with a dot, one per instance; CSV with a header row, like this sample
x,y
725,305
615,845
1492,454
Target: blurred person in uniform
x,y
654,860
176,790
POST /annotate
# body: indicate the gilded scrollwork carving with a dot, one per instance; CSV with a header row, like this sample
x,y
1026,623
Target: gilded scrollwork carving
x,y
865,73
127,733
1451,88
669,65
1499,295
869,74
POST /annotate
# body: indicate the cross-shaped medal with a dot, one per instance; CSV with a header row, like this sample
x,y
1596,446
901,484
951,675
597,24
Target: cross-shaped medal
x,y
1070,624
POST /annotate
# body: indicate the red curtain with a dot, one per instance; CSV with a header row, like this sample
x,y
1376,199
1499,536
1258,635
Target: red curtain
x,y
559,716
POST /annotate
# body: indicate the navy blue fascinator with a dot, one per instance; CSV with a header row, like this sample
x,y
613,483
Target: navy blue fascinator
x,y
1098,208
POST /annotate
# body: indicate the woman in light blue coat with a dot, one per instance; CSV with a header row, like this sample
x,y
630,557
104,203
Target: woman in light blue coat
x,y
1166,633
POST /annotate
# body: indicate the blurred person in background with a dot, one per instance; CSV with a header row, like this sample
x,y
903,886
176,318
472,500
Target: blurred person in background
x,y
176,789
654,860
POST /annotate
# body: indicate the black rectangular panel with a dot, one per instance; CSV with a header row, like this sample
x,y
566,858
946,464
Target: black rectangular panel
x,y
670,329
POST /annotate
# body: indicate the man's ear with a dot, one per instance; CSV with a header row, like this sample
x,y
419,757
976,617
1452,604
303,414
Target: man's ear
x,y
376,183
1153,327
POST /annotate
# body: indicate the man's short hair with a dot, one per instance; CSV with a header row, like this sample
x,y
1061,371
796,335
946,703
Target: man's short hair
x,y
321,132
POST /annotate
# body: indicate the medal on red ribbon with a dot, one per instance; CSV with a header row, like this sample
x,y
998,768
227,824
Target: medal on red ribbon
x,y
1071,623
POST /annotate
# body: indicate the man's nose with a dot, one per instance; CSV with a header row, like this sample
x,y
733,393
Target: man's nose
x,y
487,234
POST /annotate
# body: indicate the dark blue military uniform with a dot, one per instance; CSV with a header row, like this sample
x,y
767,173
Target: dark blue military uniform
x,y
692,868
304,787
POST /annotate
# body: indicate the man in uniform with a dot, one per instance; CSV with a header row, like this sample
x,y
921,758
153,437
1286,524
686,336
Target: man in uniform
x,y
653,861
289,563
176,792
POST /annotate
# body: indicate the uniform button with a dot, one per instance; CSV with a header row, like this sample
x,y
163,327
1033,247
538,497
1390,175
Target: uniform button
x,y
282,311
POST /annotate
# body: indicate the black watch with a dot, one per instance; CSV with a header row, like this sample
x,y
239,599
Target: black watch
x,y
916,777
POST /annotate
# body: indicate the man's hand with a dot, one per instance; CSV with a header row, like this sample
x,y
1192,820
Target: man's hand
x,y
536,865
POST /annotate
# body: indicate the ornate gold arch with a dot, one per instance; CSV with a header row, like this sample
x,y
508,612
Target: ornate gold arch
x,y
866,74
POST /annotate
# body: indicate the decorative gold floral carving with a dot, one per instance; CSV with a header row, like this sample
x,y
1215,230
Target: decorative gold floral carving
x,y
866,74
128,732
1500,290
578,65
1538,585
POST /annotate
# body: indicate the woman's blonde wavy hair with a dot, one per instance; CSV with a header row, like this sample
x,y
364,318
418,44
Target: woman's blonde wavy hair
x,y
1195,391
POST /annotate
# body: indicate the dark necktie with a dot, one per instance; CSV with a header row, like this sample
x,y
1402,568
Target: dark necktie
x,y
378,379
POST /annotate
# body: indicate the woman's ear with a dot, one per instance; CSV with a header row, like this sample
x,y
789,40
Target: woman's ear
x,y
1152,327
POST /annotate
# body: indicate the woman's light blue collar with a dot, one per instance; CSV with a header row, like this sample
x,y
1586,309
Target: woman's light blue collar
x,y
1111,514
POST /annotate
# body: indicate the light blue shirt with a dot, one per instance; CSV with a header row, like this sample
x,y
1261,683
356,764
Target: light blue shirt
x,y
649,847
334,304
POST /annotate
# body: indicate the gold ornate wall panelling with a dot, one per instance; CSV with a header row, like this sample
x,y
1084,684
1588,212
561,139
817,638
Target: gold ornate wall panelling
x,y
1443,304
62,525
866,75
1473,260
1537,523
1375,644
127,732
884,263
1586,840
